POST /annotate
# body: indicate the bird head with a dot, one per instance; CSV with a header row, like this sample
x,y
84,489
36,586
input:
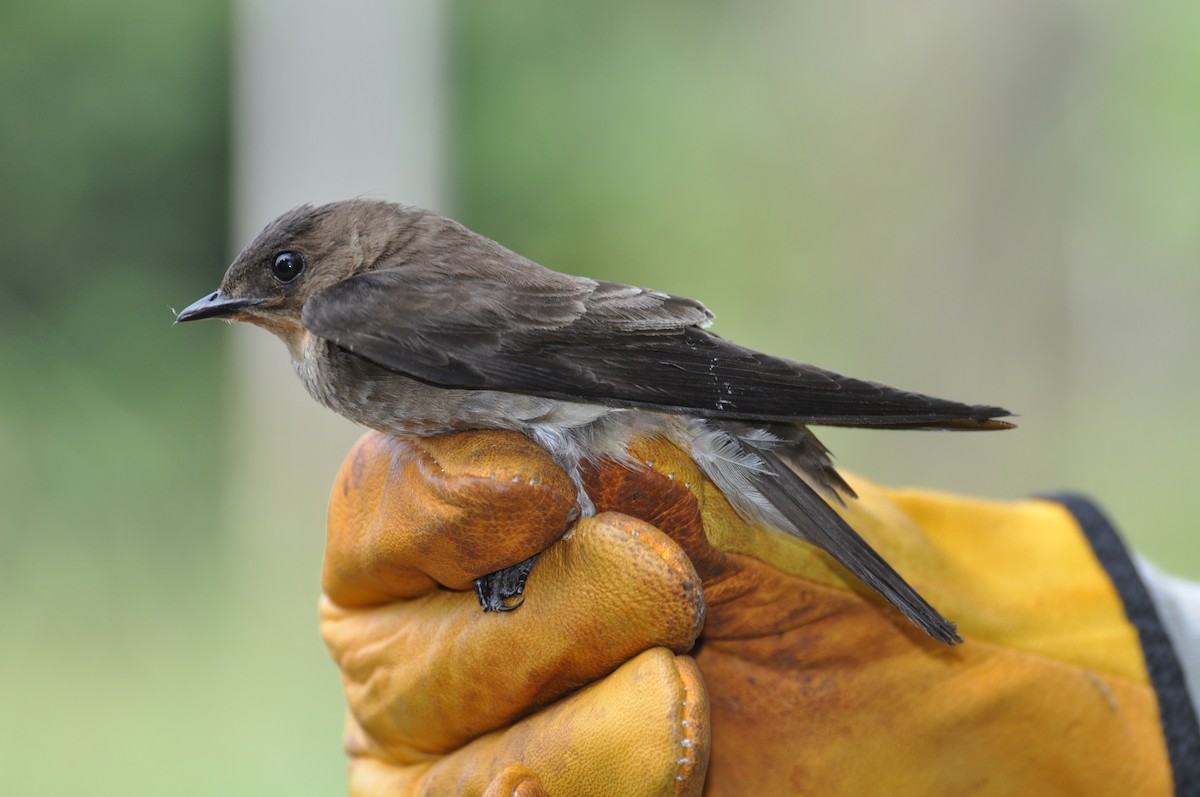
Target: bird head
x,y
301,253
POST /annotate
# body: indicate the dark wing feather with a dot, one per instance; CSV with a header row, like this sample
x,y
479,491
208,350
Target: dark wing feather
x,y
819,524
525,329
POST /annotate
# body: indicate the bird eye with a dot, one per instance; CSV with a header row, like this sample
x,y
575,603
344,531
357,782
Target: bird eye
x,y
287,266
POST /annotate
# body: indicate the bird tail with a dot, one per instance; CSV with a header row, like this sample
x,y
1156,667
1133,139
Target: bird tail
x,y
748,465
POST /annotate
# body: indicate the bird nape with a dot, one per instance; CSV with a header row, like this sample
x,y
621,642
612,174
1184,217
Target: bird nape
x,y
407,322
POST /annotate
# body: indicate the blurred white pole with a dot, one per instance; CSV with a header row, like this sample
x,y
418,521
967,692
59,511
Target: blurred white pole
x,y
331,100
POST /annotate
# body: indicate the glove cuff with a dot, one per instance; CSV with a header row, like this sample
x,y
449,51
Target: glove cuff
x,y
1178,715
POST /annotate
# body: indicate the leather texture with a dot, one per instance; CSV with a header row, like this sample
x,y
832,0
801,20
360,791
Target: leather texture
x,y
666,647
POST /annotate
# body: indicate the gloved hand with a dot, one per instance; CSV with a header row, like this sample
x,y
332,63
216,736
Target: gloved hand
x,y
440,693
806,682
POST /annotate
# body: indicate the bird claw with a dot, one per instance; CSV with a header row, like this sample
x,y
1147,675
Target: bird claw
x,y
495,589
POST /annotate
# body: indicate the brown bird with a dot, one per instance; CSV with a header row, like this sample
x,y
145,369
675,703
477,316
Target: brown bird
x,y
407,322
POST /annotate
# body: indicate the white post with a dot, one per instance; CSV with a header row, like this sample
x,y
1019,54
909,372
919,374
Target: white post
x,y
331,100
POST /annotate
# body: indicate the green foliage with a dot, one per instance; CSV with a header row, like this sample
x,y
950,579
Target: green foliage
x,y
113,129
114,134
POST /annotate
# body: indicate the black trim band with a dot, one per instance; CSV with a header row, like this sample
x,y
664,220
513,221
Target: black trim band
x,y
1180,728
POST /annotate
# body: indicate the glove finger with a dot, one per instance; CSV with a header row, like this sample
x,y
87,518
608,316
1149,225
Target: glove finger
x,y
408,515
758,582
426,676
642,730
666,493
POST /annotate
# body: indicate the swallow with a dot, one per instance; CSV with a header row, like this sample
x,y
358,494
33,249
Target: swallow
x,y
405,321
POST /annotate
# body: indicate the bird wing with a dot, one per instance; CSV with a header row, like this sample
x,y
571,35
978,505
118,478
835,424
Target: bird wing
x,y
526,329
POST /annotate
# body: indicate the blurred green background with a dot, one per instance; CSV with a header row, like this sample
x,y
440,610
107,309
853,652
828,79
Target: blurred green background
x,y
994,202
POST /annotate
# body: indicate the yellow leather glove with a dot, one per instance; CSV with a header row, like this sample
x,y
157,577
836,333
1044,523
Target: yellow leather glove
x,y
802,681
442,696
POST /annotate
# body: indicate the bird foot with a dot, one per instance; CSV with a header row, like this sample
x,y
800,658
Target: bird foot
x,y
495,589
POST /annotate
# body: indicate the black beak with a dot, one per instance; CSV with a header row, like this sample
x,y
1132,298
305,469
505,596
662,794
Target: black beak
x,y
215,306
